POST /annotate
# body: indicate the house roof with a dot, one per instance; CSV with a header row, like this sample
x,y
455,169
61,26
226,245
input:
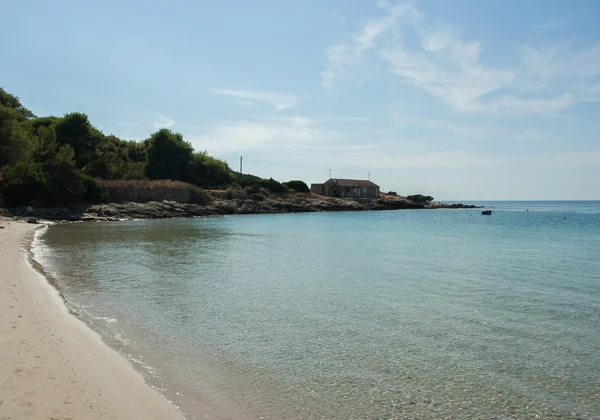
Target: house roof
x,y
354,183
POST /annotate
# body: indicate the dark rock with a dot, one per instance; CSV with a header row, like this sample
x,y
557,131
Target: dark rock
x,y
226,207
230,202
33,220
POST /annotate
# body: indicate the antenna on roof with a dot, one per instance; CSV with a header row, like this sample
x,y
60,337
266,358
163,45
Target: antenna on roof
x,y
330,174
369,176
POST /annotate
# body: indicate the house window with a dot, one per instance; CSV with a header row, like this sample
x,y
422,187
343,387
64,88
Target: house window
x,y
347,189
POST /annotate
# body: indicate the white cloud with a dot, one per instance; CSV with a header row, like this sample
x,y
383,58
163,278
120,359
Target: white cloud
x,y
559,69
163,122
463,159
279,101
464,130
244,134
342,119
450,68
451,159
342,55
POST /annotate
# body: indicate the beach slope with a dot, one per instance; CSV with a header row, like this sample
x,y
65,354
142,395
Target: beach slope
x,y
51,365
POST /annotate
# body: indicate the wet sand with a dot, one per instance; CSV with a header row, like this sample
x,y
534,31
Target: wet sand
x,y
52,366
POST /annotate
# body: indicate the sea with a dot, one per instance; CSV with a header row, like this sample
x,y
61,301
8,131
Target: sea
x,y
403,314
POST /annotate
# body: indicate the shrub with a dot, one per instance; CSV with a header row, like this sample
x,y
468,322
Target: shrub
x,y
56,183
394,193
23,183
273,186
209,171
169,156
419,198
131,170
65,183
257,197
244,181
298,186
200,196
253,189
94,192
255,184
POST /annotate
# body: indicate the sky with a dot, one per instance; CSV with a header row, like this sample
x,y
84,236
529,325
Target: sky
x,y
461,100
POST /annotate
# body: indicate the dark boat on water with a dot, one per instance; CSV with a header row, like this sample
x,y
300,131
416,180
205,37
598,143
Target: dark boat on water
x,y
486,212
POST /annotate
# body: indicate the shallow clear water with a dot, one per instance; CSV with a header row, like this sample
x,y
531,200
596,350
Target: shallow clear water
x,y
406,314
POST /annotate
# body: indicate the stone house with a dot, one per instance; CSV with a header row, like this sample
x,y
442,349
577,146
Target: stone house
x,y
352,188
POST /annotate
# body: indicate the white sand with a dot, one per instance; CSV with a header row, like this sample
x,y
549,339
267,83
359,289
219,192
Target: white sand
x,y
51,365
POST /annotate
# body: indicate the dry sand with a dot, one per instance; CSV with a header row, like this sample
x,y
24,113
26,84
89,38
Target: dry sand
x,y
51,365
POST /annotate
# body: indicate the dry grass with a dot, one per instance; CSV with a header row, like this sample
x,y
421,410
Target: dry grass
x,y
392,197
144,183
147,190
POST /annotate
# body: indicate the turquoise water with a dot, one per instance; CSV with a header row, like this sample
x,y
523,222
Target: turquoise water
x,y
395,314
589,207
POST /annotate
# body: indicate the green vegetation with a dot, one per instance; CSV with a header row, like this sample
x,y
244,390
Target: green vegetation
x,y
257,197
298,186
57,160
419,198
253,184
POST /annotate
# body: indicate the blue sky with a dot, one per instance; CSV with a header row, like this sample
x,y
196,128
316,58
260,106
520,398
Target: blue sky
x,y
459,100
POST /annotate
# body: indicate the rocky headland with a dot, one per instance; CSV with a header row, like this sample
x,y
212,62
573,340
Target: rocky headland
x,y
217,203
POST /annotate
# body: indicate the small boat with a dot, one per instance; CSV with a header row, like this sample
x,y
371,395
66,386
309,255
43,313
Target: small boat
x,y
486,212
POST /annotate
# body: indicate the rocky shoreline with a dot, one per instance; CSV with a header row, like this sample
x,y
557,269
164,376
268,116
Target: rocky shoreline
x,y
288,203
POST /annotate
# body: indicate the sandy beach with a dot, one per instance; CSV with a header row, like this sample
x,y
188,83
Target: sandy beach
x,y
52,366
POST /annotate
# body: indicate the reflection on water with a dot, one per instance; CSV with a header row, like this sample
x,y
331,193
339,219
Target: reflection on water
x,y
351,315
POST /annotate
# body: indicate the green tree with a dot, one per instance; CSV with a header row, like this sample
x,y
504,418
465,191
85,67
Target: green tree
x,y
135,151
16,143
273,186
65,183
169,156
76,130
46,143
66,155
107,158
12,102
420,198
23,183
37,122
298,186
208,171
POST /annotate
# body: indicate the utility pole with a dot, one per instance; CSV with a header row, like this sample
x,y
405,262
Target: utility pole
x,y
241,158
330,174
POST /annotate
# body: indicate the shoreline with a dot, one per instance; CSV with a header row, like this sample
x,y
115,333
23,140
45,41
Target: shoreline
x,y
52,365
287,204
